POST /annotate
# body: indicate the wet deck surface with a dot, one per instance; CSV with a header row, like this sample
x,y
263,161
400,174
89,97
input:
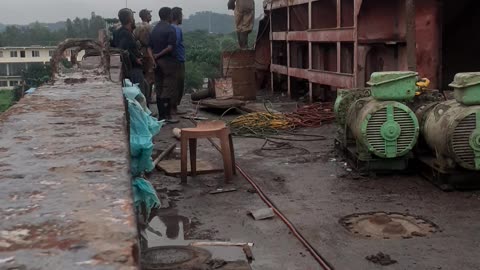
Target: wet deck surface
x,y
315,191
64,181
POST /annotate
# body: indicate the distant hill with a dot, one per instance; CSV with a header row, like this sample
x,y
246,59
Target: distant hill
x,y
51,26
55,26
210,21
205,20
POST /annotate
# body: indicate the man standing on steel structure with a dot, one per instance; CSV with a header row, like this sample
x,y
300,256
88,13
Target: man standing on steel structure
x,y
142,33
177,16
163,41
244,19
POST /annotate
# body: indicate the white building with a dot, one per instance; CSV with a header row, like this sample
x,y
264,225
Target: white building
x,y
15,60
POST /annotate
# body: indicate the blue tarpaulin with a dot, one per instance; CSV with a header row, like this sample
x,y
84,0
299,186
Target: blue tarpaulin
x,y
144,193
143,127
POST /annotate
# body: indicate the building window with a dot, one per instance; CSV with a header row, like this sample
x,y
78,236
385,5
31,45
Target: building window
x,y
17,69
35,53
3,69
13,54
13,83
1,54
3,84
50,53
22,54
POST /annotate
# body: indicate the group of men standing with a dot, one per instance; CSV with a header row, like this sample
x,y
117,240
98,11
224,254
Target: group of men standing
x,y
156,57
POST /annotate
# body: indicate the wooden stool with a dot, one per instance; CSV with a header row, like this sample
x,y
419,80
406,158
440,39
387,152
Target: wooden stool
x,y
208,129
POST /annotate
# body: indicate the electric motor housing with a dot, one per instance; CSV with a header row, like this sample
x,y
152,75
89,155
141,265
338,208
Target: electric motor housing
x,y
387,129
345,98
452,131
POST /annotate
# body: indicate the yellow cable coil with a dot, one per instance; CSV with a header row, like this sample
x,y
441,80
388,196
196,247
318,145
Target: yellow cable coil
x,y
262,120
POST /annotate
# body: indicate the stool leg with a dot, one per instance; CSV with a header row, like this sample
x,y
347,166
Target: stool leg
x,y
193,157
184,153
232,151
227,156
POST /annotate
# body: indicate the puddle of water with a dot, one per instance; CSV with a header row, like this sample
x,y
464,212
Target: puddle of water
x,y
170,230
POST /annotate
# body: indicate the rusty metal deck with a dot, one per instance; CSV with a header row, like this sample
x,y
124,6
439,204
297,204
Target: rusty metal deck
x,y
64,182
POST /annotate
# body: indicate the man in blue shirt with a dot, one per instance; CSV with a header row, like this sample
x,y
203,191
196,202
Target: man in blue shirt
x,y
162,45
177,19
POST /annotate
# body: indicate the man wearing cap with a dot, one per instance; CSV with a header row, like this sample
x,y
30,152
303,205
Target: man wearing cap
x,y
125,40
142,33
244,19
162,45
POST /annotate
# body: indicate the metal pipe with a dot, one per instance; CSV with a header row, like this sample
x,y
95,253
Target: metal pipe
x,y
316,255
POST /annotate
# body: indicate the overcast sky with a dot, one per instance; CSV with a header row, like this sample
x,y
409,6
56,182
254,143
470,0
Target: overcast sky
x,y
27,11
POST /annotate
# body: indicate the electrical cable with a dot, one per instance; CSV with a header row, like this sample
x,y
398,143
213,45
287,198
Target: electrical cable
x,y
268,124
316,255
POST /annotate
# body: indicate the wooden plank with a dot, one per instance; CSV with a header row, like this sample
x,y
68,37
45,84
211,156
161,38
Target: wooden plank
x,y
220,103
172,167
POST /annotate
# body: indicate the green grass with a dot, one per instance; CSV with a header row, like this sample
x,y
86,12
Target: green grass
x,y
6,99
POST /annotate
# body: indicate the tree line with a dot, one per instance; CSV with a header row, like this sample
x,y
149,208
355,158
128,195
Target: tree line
x,y
39,34
206,35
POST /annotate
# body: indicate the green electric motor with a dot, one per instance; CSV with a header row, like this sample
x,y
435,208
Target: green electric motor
x,y
387,129
452,128
345,98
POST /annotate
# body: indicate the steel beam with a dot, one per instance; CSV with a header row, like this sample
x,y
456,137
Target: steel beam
x,y
324,35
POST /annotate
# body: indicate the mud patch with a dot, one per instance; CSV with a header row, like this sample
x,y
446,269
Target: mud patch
x,y
281,153
174,257
75,80
310,158
43,236
65,135
381,259
383,225
23,138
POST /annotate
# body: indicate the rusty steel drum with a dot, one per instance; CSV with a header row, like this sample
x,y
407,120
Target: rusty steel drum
x,y
240,65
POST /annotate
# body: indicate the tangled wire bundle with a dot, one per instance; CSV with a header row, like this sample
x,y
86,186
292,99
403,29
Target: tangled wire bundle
x,y
312,116
264,124
261,123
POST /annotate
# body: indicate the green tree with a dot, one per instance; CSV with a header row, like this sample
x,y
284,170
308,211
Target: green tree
x,y
70,29
39,34
96,23
12,35
36,74
194,76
